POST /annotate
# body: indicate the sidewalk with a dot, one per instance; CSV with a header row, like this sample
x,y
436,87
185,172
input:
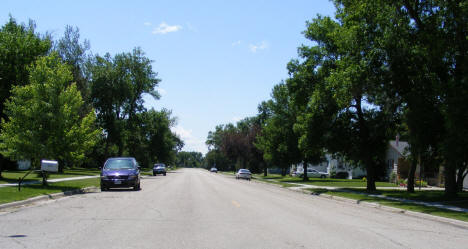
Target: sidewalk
x,y
53,180
428,204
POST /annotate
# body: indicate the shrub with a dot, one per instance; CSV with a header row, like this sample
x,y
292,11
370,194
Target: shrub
x,y
402,182
393,177
420,183
364,179
342,175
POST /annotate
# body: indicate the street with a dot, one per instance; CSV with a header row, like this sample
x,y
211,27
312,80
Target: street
x,y
193,208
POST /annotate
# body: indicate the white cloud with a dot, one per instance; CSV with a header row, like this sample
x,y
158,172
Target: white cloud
x,y
191,143
254,47
147,24
164,28
237,43
162,91
236,119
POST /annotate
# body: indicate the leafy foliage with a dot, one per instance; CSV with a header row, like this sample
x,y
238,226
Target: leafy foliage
x,y
44,120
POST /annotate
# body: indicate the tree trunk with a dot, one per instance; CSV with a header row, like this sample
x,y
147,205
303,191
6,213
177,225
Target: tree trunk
x,y
450,181
305,177
120,152
61,166
283,171
460,177
265,169
412,171
370,178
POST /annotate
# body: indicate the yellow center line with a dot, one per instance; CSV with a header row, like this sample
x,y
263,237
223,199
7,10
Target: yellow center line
x,y
235,203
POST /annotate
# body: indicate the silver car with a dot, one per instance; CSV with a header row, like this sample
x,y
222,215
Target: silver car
x,y
244,173
315,174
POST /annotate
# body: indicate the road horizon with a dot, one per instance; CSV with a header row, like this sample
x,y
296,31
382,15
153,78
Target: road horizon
x,y
193,208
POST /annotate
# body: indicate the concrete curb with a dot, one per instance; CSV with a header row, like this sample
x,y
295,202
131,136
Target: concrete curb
x,y
458,223
454,222
47,197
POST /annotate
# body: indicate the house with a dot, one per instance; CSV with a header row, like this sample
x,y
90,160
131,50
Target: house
x,y
395,157
465,182
330,165
24,164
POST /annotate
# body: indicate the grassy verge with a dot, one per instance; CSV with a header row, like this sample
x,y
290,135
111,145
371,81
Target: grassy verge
x,y
429,196
12,176
426,196
11,194
282,184
328,182
230,173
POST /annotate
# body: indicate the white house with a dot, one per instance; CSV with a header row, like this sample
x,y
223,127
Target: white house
x,y
24,164
396,151
331,164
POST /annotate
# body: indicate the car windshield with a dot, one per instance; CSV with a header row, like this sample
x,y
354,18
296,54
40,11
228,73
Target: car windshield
x,y
244,171
119,164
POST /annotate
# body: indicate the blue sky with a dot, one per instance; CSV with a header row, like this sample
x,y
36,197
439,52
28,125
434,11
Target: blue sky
x,y
217,59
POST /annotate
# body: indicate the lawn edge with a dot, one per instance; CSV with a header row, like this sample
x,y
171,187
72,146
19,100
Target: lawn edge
x,y
54,196
445,220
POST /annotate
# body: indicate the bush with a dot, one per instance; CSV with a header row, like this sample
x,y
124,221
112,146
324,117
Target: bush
x,y
342,175
402,182
393,177
364,179
332,172
420,183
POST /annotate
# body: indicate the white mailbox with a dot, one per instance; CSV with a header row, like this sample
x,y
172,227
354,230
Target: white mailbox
x,y
49,165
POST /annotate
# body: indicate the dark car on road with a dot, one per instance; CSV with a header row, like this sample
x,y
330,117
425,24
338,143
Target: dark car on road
x,y
159,168
119,172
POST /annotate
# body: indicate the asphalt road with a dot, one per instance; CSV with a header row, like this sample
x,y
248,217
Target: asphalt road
x,y
193,208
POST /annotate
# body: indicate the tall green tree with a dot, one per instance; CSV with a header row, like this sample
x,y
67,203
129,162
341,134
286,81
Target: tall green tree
x,y
278,141
346,78
44,120
151,139
117,87
20,45
190,159
424,47
74,53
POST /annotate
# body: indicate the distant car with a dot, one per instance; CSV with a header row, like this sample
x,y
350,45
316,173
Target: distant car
x,y
214,170
159,168
314,174
244,173
120,172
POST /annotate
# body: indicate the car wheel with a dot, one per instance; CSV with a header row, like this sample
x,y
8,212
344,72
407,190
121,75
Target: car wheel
x,y
154,174
164,174
103,188
137,187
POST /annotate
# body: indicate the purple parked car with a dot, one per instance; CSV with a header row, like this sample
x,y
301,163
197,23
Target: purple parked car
x,y
120,172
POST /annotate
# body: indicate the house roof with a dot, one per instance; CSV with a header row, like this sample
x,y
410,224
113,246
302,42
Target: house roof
x,y
402,148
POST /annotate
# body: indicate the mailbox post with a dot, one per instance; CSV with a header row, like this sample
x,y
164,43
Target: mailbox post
x,y
46,167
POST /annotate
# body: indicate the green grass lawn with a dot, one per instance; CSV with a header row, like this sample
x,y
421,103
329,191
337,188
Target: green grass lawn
x,y
429,196
10,194
329,182
12,176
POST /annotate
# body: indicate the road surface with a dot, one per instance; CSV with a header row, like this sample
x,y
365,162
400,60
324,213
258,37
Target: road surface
x,y
193,208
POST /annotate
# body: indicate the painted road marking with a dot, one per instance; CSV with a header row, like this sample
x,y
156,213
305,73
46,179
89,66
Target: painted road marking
x,y
235,203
